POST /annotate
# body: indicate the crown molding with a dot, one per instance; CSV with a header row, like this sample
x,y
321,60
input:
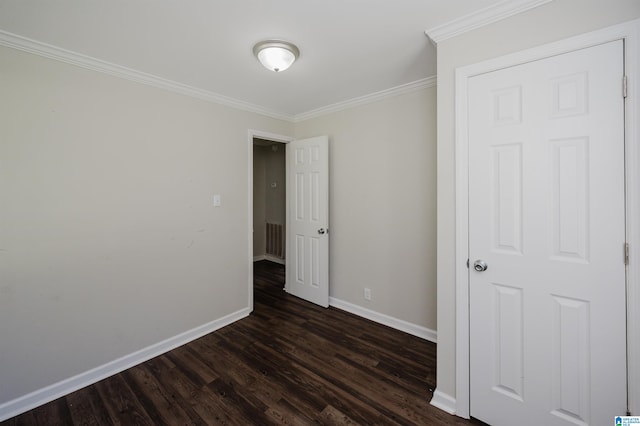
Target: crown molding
x,y
25,44
480,18
53,52
367,99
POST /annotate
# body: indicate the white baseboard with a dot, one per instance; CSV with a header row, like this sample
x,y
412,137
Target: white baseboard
x,y
398,324
42,396
269,258
445,402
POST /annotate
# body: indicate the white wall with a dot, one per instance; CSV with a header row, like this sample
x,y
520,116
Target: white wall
x,y
554,21
108,238
382,213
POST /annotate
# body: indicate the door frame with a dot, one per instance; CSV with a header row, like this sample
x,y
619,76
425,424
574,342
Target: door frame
x,y
630,33
271,137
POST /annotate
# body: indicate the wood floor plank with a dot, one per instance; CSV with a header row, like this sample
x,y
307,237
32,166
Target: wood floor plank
x,y
23,419
87,408
121,403
344,398
285,413
244,405
279,382
192,365
255,375
157,400
213,411
332,416
176,386
328,356
225,367
289,363
178,382
384,399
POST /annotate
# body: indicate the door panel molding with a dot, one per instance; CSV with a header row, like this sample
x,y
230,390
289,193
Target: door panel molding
x,y
630,33
307,218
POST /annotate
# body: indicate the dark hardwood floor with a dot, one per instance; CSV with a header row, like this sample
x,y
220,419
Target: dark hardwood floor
x,y
290,362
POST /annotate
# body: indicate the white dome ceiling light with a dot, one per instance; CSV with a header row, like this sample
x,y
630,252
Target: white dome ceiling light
x,y
276,55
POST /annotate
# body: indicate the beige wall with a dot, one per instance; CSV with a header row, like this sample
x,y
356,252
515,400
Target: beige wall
x,y
276,198
382,213
109,241
551,22
269,204
259,189
108,238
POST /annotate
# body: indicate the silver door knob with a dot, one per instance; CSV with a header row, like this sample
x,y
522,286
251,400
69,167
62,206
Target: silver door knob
x,y
321,231
480,265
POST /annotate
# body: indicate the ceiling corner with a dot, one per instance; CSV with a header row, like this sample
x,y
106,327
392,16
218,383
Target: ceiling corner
x,y
35,47
486,16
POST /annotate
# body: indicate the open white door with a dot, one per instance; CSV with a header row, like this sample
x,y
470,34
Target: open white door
x,y
546,235
307,274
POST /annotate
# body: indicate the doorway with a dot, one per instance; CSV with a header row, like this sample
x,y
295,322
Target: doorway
x,y
269,201
303,236
262,138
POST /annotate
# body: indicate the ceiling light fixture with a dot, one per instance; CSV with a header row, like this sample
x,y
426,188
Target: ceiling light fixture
x,y
276,55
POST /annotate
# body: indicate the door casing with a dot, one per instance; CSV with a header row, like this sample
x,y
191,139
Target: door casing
x,y
630,33
272,137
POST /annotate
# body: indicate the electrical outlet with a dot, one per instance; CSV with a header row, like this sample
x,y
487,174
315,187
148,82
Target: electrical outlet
x,y
367,293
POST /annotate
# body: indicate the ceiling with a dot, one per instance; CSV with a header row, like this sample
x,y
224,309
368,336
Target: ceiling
x,y
349,48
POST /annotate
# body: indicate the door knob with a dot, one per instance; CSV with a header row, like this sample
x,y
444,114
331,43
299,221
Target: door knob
x,y
321,231
480,265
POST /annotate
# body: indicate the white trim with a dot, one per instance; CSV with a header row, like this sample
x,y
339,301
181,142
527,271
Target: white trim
x,y
271,137
368,99
59,54
395,323
35,47
630,32
47,394
270,258
632,155
481,18
462,250
443,401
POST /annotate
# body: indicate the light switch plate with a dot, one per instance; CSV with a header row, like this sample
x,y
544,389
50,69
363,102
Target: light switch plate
x,y
217,200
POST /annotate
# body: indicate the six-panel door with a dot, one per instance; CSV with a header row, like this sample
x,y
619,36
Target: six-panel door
x,y
546,213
